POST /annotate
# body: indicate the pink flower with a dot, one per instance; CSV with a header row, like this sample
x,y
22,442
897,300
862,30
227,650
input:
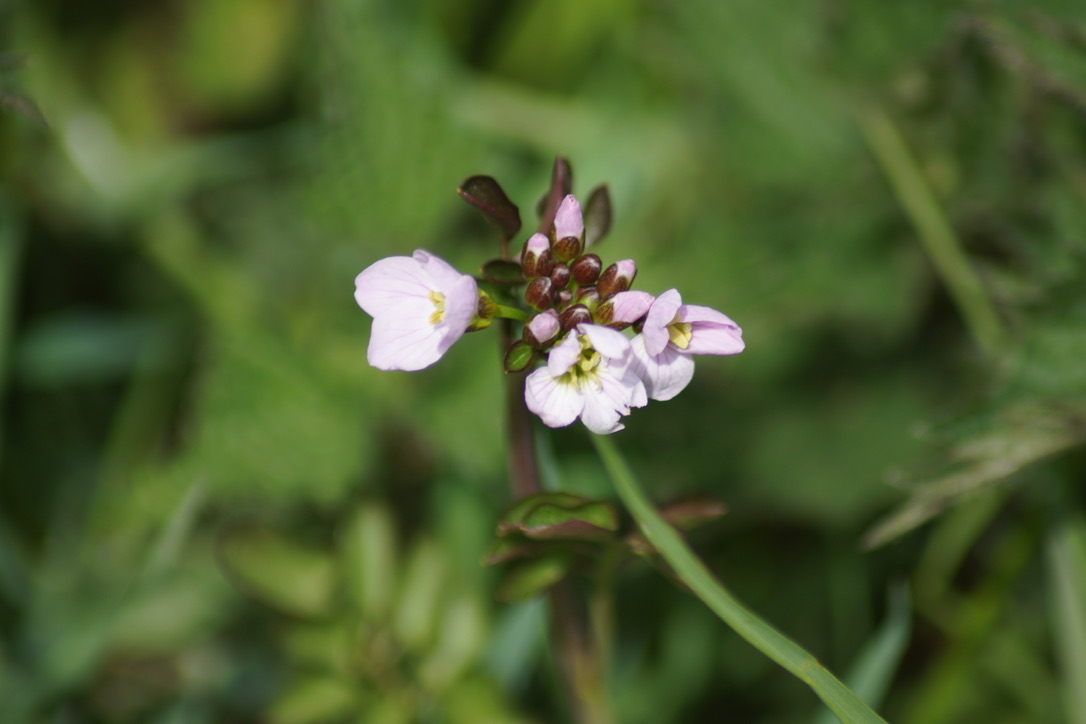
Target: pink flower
x,y
588,375
672,331
420,305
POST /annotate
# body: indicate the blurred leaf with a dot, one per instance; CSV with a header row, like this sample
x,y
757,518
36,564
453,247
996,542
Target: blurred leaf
x,y
487,195
1021,436
597,215
502,271
559,516
561,186
312,700
82,348
525,579
368,546
420,598
278,572
462,633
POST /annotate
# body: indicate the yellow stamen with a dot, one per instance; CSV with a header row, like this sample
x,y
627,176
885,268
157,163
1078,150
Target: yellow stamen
x,y
680,333
439,307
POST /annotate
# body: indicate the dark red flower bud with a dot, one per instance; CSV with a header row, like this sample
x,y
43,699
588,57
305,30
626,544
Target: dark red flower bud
x,y
565,296
540,293
536,259
586,270
569,247
616,278
560,275
577,314
588,296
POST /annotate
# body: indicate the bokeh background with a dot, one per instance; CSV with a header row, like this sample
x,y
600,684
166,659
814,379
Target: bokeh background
x,y
212,509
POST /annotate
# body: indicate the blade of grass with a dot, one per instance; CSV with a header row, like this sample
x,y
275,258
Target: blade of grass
x,y
874,668
1067,589
793,658
940,242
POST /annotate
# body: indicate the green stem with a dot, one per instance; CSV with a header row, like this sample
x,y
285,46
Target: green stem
x,y
848,707
503,312
938,238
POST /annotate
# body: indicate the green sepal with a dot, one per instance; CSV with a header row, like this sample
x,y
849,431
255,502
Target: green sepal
x,y
519,356
503,271
486,194
597,215
529,578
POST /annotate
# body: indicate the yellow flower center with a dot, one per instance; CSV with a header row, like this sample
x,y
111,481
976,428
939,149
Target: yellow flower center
x,y
583,371
679,333
439,307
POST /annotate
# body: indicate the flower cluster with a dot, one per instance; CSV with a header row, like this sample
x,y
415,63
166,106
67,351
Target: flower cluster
x,y
574,312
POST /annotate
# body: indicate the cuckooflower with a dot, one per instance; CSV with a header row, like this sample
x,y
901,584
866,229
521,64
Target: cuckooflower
x,y
420,305
671,333
588,375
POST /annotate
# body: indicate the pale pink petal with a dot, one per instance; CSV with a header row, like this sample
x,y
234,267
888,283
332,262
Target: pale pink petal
x,y
660,315
709,338
557,403
461,301
665,375
696,313
442,275
563,355
568,220
408,344
537,244
628,307
605,404
387,282
608,342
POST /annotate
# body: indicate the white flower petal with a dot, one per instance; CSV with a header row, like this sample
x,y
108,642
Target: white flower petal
x,y
608,342
557,403
666,374
563,355
661,314
387,283
397,345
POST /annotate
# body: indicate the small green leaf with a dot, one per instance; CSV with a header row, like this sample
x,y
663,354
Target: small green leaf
x,y
511,519
312,700
503,271
519,356
530,578
503,550
485,194
368,547
597,215
594,520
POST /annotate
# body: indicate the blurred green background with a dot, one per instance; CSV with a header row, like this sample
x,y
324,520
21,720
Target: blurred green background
x,y
212,509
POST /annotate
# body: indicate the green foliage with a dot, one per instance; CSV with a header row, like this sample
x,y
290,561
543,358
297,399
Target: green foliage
x,y
189,424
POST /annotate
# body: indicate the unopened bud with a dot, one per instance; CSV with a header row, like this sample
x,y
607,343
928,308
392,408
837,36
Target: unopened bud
x,y
568,220
568,247
586,270
560,276
588,296
624,308
565,296
577,314
540,293
617,278
536,259
542,328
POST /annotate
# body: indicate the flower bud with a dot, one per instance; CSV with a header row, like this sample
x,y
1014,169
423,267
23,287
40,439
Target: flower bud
x,y
617,278
577,314
540,293
568,221
560,275
624,308
586,270
537,259
565,296
588,296
542,328
568,247
485,308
